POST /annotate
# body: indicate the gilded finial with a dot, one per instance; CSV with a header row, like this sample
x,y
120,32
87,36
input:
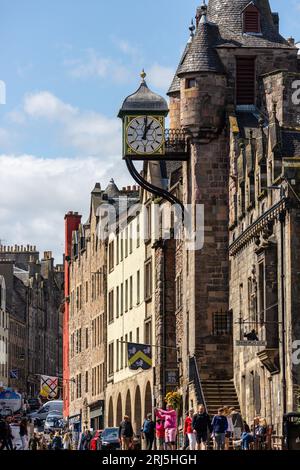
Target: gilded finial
x,y
143,75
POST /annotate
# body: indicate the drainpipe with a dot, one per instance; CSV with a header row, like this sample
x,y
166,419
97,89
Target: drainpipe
x,y
283,319
164,350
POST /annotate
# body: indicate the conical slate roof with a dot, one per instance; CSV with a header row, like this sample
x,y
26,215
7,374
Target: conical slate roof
x,y
144,100
112,189
228,15
201,56
175,85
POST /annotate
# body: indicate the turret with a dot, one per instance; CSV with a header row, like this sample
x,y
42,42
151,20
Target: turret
x,y
202,81
174,90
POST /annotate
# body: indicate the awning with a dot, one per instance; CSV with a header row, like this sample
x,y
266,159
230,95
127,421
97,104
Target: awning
x,y
75,419
96,409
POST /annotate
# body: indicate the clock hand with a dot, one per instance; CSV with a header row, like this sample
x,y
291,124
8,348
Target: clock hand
x,y
145,130
148,127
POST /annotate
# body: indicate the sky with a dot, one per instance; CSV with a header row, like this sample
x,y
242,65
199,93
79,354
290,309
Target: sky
x,y
67,65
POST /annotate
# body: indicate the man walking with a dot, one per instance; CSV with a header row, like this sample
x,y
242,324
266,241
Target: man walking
x,y
7,436
125,433
219,428
148,431
24,433
201,425
238,424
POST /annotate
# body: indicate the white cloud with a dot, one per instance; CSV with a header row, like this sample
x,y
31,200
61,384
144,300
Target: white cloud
x,y
160,76
44,190
93,65
46,105
127,48
16,116
88,132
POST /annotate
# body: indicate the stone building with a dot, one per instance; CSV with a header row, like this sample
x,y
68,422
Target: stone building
x,y
234,94
130,310
87,330
33,299
4,328
86,296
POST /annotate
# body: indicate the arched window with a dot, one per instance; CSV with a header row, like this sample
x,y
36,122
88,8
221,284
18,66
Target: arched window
x,y
251,19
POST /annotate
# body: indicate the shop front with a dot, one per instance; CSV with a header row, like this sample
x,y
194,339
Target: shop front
x,y
97,415
75,426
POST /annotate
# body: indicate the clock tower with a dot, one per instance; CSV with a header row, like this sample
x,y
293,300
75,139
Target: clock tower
x,y
143,114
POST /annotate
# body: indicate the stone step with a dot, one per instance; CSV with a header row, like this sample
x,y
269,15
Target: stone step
x,y
219,393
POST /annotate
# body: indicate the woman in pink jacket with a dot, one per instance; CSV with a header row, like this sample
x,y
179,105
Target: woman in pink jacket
x,y
170,417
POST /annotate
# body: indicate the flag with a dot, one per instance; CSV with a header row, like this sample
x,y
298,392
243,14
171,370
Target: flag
x,y
139,356
14,374
49,386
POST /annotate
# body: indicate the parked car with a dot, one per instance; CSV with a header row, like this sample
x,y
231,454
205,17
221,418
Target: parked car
x,y
96,441
34,404
110,439
54,422
40,415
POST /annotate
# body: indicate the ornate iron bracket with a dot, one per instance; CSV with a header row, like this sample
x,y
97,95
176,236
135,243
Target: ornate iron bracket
x,y
176,147
150,187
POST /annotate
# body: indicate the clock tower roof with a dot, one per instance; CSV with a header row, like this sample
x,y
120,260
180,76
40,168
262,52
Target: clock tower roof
x,y
144,100
201,55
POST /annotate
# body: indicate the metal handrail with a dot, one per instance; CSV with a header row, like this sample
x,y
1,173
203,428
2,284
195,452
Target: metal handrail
x,y
197,378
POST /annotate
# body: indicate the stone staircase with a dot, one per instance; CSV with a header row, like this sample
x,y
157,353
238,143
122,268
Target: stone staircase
x,y
219,393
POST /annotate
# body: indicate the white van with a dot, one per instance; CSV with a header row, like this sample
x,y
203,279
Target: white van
x,y
41,414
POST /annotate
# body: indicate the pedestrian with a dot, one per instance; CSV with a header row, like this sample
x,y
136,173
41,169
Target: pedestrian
x,y
7,436
237,422
160,433
247,437
201,425
185,436
2,431
42,442
125,433
230,428
81,441
260,434
219,428
170,416
148,431
189,431
67,441
87,440
57,442
33,442
24,433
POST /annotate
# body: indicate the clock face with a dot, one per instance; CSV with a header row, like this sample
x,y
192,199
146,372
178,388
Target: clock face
x,y
145,135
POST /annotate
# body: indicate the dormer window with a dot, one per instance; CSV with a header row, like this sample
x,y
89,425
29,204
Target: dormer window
x,y
251,20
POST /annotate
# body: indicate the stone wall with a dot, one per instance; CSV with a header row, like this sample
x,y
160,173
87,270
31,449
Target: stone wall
x,y
88,269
